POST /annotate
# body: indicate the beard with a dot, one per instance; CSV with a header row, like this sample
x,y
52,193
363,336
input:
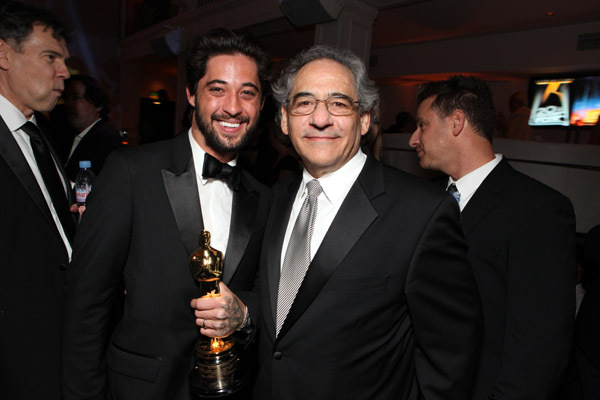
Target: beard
x,y
212,138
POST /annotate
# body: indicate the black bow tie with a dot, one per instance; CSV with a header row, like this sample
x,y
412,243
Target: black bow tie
x,y
215,169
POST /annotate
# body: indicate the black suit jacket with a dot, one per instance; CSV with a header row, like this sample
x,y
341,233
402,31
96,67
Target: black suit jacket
x,y
94,146
33,258
521,237
389,308
142,223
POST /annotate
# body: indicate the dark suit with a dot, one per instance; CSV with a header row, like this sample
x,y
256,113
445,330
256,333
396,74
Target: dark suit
x,y
33,258
389,306
94,146
142,223
521,237
587,325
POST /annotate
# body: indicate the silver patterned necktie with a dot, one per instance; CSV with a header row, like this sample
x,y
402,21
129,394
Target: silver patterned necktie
x,y
297,255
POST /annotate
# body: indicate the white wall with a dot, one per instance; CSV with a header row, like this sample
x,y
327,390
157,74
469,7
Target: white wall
x,y
508,59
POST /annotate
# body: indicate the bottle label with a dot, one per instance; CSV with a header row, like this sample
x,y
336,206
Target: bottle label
x,y
81,193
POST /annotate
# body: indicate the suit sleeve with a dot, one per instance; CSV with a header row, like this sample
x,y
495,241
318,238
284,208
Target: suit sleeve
x,y
540,301
445,309
94,282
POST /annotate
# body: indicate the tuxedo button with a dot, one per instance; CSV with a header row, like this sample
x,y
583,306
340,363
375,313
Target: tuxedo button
x,y
277,355
62,267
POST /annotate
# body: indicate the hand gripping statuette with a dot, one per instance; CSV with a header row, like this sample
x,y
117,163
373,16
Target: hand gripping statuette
x,y
216,370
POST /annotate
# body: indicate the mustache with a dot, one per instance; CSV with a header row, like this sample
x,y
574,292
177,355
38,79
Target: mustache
x,y
226,117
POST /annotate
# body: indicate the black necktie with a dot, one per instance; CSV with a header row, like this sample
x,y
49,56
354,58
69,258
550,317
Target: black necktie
x,y
52,180
215,169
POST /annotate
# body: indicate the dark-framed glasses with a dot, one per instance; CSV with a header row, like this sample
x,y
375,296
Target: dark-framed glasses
x,y
336,105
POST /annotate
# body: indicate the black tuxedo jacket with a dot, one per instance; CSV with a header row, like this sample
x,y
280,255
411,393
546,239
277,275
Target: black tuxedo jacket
x,y
389,308
142,223
95,146
521,237
33,258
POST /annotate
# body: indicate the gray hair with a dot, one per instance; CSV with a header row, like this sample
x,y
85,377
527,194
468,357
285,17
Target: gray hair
x,y
368,95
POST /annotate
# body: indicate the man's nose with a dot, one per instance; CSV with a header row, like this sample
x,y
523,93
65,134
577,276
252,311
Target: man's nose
x,y
232,105
415,138
321,117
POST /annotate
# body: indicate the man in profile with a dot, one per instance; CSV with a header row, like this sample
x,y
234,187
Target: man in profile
x,y
521,237
365,288
142,222
36,227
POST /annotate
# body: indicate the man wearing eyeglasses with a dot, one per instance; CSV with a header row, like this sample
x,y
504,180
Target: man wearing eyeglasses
x,y
365,289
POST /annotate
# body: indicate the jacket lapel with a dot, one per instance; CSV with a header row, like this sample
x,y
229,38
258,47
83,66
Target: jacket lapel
x,y
12,154
486,197
353,218
182,190
245,204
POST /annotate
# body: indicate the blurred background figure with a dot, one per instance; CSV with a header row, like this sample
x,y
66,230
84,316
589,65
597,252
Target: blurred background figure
x,y
517,125
372,139
86,112
405,123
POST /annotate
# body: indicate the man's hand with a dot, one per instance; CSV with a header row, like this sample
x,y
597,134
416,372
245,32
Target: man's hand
x,y
219,316
75,209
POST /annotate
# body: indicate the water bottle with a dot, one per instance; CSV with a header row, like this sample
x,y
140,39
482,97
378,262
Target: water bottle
x,y
84,182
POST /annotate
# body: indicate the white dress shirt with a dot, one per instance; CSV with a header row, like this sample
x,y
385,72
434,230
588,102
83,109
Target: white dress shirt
x,y
216,200
336,186
468,184
14,119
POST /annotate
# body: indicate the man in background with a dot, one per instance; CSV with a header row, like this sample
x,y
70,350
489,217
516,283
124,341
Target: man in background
x,y
521,237
86,108
517,126
143,221
35,224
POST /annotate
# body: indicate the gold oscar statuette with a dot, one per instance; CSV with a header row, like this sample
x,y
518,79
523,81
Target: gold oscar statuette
x,y
216,370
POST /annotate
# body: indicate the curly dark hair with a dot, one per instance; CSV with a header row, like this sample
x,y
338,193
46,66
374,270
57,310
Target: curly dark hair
x,y
224,41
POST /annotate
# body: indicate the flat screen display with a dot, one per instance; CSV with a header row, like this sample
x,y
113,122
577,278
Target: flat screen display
x,y
564,101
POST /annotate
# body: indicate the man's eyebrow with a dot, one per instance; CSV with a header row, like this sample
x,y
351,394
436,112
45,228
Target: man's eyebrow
x,y
251,85
222,82
54,53
300,94
215,81
334,94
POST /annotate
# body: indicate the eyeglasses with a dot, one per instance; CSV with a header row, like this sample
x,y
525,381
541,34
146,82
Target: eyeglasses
x,y
336,105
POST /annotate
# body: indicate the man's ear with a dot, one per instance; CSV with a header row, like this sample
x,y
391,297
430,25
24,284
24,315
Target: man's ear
x,y
365,123
458,121
4,55
284,121
191,98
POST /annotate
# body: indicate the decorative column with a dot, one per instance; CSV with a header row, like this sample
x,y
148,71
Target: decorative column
x,y
352,29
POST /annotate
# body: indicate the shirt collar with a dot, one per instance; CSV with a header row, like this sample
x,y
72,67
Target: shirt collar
x,y
336,184
13,118
86,130
469,183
